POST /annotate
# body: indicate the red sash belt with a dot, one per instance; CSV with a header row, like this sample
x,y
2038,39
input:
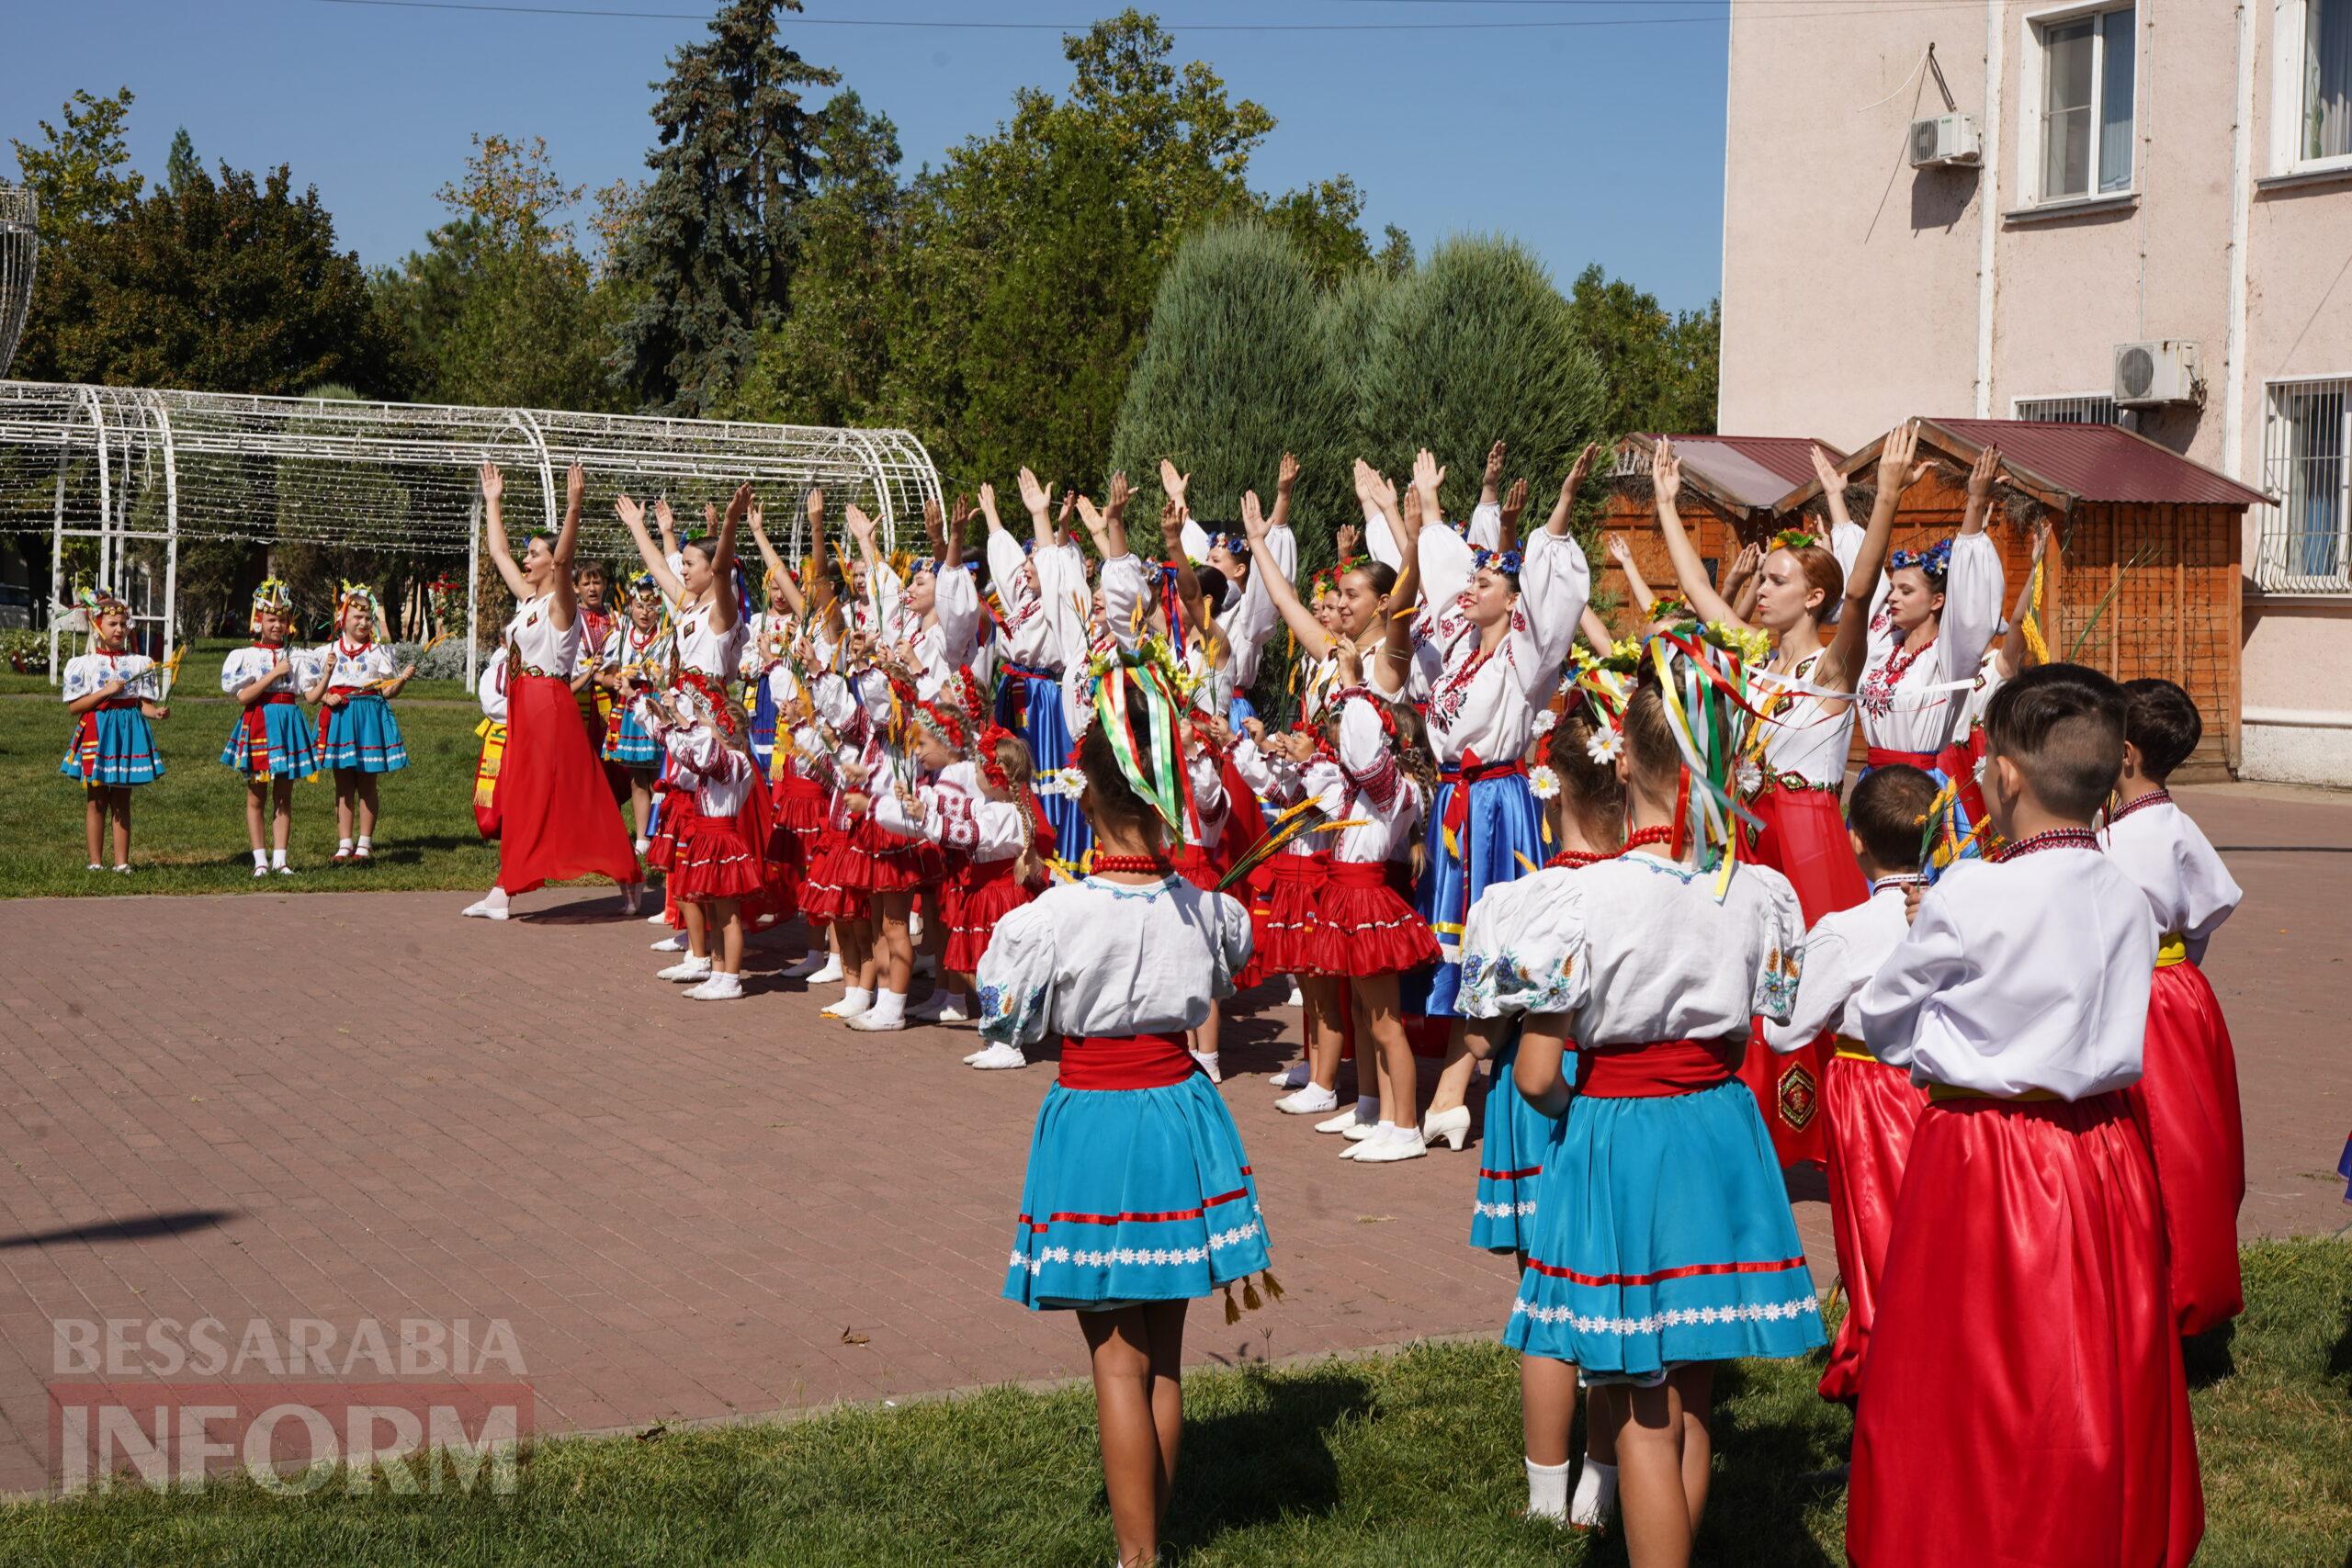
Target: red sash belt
x,y
85,732
1129,1061
326,714
1474,771
1359,874
1879,757
1657,1069
256,726
1029,672
1284,866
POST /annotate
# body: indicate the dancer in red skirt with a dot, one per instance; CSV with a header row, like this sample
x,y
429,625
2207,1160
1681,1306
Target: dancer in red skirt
x,y
1793,761
2024,1399
556,816
1366,933
716,867
2188,1095
1871,1108
802,795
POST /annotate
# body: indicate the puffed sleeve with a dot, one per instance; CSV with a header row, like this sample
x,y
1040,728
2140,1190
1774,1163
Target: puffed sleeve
x,y
1823,988
1194,540
1367,753
1485,530
1005,558
1061,581
1972,590
1232,940
956,603
232,671
80,678
1128,585
1523,948
1269,778
1778,976
1446,564
1017,974
1554,585
2210,895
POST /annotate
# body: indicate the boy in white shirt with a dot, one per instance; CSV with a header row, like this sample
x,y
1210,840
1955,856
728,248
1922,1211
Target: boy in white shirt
x,y
2024,1399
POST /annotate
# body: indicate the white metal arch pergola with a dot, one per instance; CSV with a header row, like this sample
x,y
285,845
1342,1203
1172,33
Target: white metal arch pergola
x,y
126,466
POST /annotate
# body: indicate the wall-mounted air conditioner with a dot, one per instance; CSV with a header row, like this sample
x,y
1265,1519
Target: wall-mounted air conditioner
x,y
1947,141
2149,375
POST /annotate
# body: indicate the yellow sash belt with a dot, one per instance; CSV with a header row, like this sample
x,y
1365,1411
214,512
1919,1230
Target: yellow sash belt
x,y
2173,949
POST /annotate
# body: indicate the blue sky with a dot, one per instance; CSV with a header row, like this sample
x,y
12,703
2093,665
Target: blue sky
x,y
1589,142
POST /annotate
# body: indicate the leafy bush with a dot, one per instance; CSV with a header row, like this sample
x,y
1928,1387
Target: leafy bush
x,y
445,662
26,651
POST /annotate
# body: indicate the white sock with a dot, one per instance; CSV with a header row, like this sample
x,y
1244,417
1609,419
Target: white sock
x,y
1547,1491
366,842
343,846
495,898
261,858
889,1007
276,857
1596,1494
856,996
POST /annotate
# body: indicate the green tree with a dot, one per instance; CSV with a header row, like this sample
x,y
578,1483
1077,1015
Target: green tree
x,y
712,251
1326,222
1234,372
1478,346
1344,320
501,308
1659,366
230,285
181,165
80,174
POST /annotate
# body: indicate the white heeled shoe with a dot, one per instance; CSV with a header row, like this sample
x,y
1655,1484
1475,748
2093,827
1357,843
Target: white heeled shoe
x,y
1393,1143
1454,1126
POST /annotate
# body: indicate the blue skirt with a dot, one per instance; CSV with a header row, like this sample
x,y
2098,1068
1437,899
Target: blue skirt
x,y
362,735
1511,1158
1029,702
1662,1236
1134,1195
763,737
125,752
1505,823
630,746
285,732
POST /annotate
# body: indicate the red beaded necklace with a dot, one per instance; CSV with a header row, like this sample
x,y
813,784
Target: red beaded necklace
x,y
1660,835
1572,859
1140,865
2048,838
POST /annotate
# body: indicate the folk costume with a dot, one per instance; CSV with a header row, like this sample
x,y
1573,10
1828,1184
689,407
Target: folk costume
x,y
2023,1399
1043,635
490,688
358,732
112,746
1913,701
2187,1098
556,819
270,738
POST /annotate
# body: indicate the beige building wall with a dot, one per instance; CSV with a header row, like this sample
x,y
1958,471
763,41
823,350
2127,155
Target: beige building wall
x,y
1857,290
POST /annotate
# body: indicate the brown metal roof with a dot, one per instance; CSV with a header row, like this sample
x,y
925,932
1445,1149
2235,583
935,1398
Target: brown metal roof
x,y
2072,462
1753,472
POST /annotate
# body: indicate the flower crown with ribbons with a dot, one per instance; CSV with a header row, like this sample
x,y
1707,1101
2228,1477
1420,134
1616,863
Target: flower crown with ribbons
x,y
1508,562
352,594
1797,539
1154,672
276,595
984,750
709,697
1935,560
95,602
1702,674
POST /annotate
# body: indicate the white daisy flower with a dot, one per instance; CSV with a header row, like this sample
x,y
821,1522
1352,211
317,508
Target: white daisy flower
x,y
1750,779
1604,745
1544,781
1546,721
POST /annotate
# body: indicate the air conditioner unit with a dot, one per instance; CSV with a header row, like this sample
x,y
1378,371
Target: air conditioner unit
x,y
2149,375
1944,141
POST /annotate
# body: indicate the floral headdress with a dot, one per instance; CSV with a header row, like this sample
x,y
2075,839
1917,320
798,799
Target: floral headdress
x,y
944,724
1935,560
274,595
352,594
708,699
1703,679
984,753
1797,539
643,586
93,603
1508,562
1159,677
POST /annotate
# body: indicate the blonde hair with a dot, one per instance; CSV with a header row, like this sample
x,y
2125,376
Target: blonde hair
x,y
1012,760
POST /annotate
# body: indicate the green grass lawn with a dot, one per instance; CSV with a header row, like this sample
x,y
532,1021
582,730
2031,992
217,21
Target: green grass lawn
x,y
1407,1459
188,827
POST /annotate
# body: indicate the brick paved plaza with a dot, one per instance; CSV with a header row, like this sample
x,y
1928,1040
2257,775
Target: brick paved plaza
x,y
216,1108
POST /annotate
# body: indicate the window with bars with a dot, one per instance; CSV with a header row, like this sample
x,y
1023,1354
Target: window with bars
x,y
2085,408
2088,65
2306,545
2327,79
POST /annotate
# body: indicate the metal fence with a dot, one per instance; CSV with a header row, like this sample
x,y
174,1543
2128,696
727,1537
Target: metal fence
x,y
2306,538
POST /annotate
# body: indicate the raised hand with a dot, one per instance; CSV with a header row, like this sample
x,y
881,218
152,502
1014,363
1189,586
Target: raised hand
x,y
1364,481
1087,514
1116,506
932,521
1897,471
1494,474
960,514
1666,474
1412,516
494,483
1620,550
1427,476
1581,468
1253,517
1286,475
1069,503
1176,485
1039,499
664,517
861,526
632,515
1514,503
1981,475
575,486
817,507
2040,540
987,507
1346,540
1825,470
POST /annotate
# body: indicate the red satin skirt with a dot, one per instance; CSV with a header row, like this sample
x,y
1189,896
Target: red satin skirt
x,y
839,883
1871,1109
1195,866
714,862
1363,927
978,896
1804,839
899,865
1284,935
2023,1402
2187,1100
557,821
796,816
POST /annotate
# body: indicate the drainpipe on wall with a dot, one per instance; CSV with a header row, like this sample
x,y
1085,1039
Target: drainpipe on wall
x,y
2241,221
1988,197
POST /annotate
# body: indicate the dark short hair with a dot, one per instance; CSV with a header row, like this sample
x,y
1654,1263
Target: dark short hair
x,y
594,568
1379,573
2162,720
1888,813
2063,726
1215,585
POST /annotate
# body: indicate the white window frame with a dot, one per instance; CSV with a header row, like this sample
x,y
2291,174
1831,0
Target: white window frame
x,y
2274,569
2290,33
2031,57
2017,405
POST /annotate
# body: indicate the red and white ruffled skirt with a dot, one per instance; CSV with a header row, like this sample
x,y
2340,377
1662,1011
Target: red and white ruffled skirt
x,y
1364,927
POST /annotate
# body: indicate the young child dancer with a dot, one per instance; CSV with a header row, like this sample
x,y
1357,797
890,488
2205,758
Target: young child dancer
x,y
2187,1094
489,687
1663,1241
637,658
597,625
1871,1108
983,812
1793,764
111,695
556,819
2024,1399
270,741
716,869
358,738
1138,1195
